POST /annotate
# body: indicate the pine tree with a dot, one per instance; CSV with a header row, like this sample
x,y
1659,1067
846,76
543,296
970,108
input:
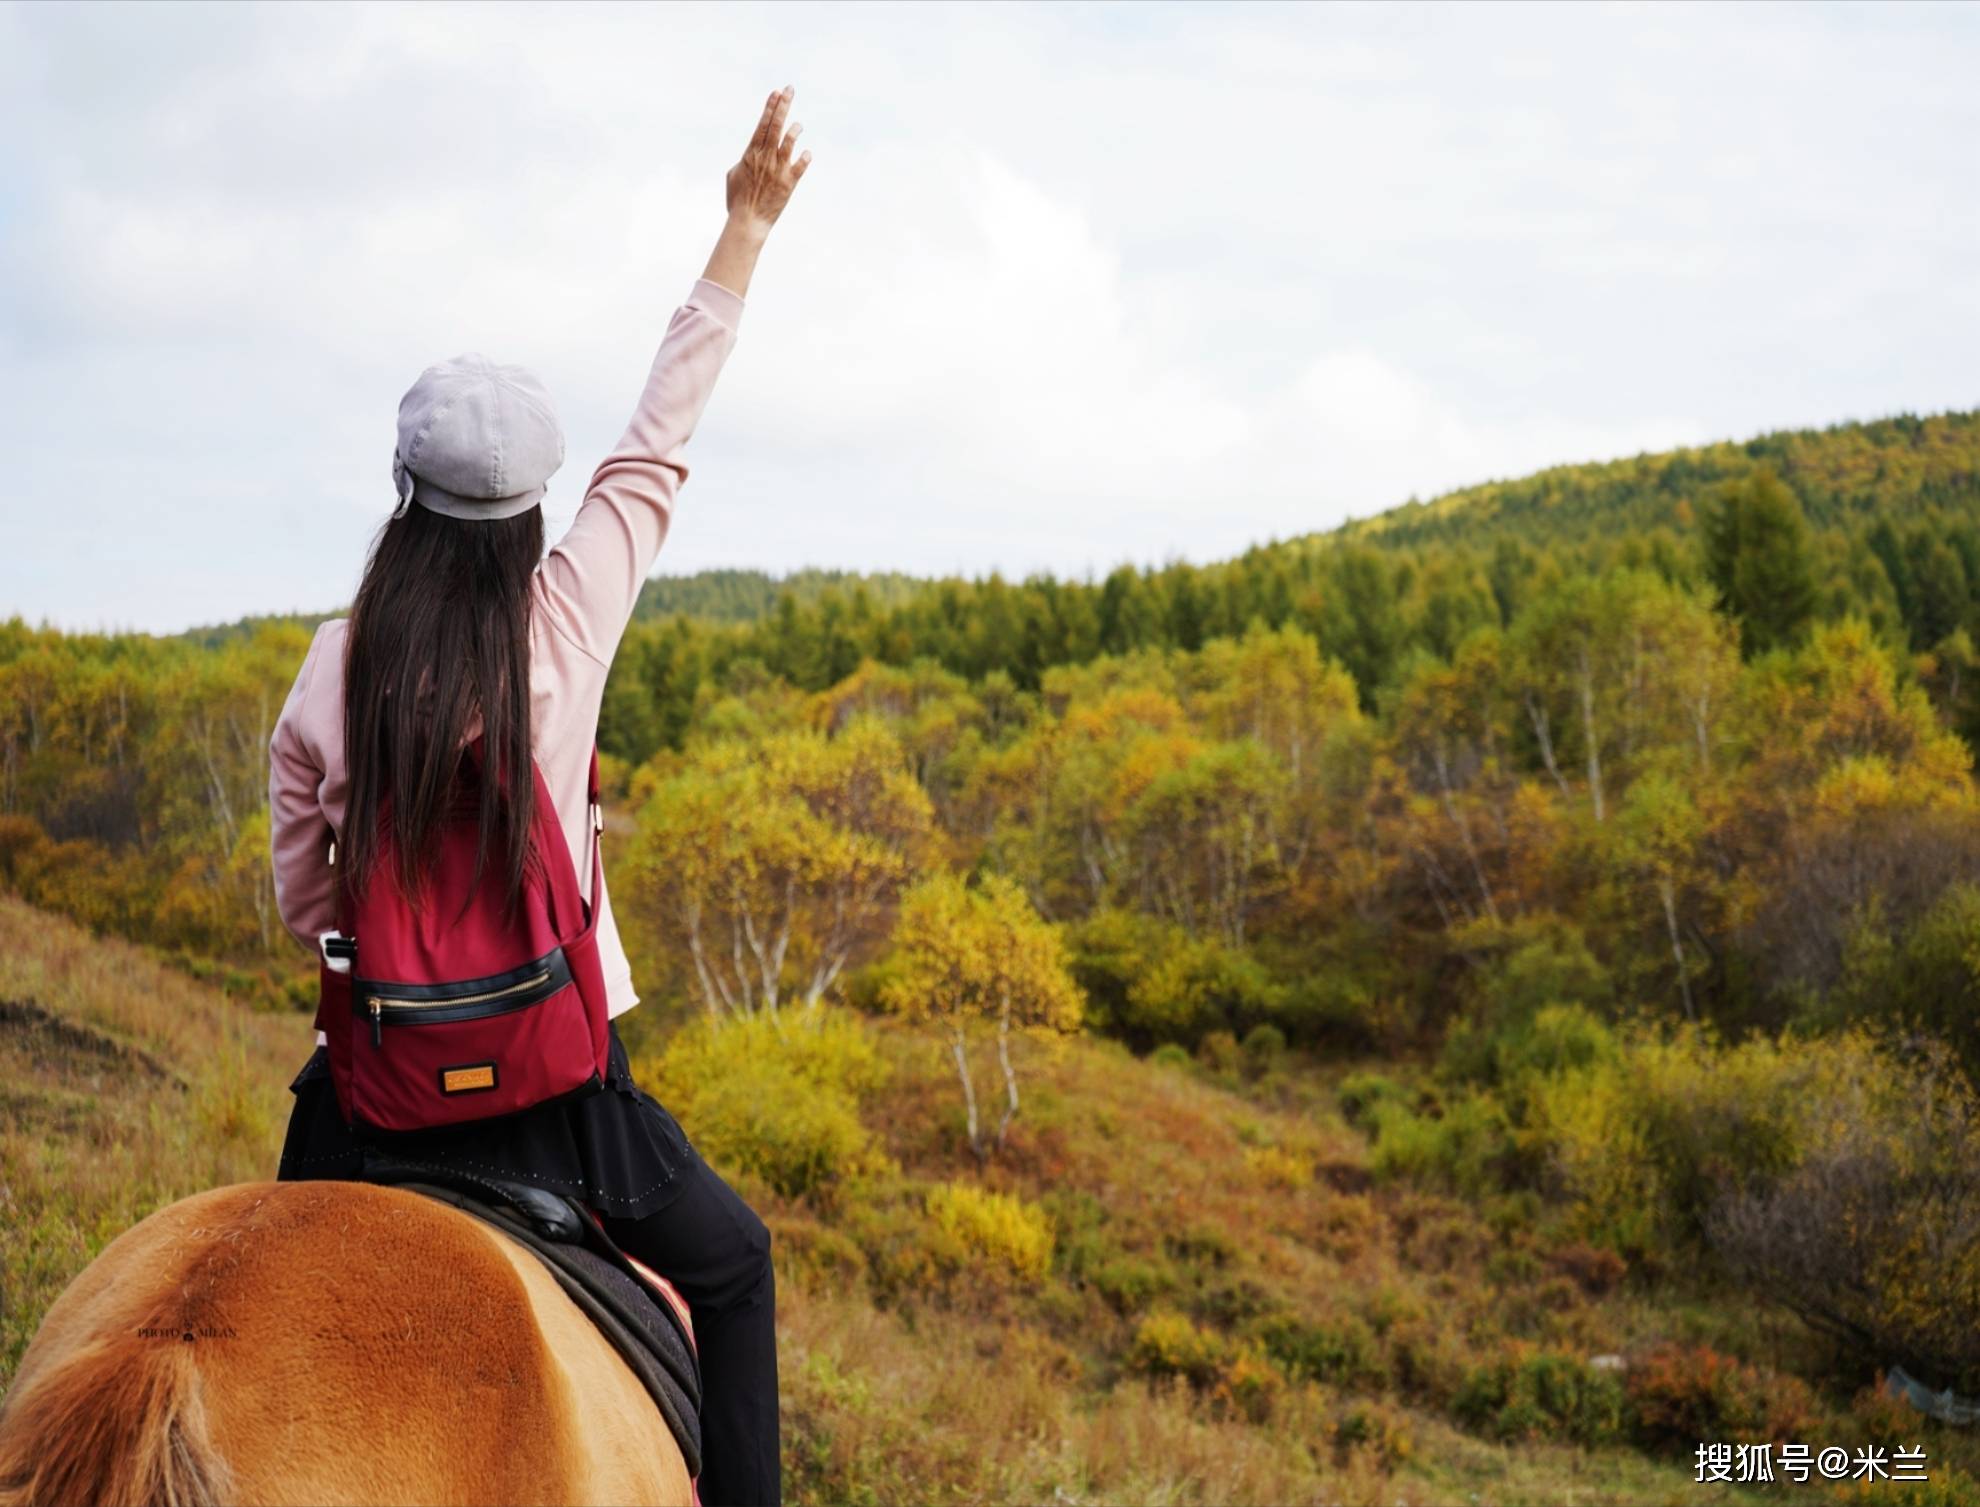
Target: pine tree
x,y
1756,553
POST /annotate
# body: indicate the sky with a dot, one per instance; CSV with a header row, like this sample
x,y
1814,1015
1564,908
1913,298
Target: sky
x,y
1065,286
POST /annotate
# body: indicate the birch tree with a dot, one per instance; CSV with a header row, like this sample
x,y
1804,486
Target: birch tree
x,y
772,865
974,959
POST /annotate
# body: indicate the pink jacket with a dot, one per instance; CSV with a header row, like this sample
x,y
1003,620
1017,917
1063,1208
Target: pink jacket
x,y
581,599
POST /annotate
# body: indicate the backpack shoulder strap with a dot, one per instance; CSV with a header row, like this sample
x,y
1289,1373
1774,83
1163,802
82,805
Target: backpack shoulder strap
x,y
340,892
597,818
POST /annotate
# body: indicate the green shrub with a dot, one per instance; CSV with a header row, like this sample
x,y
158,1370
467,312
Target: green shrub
x,y
1150,982
1926,978
906,1253
1264,1045
1360,1004
1515,1058
1470,1052
1169,1054
1362,1094
1234,1301
1204,1244
1468,1149
1107,953
1646,1141
1235,1374
864,988
1526,1394
1130,1283
776,1099
1554,967
1198,985
1538,1009
1391,1304
1343,1351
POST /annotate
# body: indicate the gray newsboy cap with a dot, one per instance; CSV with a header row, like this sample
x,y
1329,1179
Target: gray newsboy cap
x,y
476,440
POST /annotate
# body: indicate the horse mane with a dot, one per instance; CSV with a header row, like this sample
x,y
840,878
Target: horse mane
x,y
99,1426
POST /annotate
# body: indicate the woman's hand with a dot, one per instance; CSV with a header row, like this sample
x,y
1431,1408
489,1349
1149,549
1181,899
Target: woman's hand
x,y
759,186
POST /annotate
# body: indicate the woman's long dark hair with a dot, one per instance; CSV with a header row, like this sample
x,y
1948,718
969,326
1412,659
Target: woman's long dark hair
x,y
439,633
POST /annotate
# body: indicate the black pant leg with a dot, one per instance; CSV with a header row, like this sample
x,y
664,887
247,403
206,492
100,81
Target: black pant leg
x,y
713,1247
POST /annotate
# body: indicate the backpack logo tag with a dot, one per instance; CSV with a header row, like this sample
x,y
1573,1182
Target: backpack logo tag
x,y
468,1078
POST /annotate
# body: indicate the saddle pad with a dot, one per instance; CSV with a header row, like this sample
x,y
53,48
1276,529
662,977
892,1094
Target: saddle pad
x,y
631,1315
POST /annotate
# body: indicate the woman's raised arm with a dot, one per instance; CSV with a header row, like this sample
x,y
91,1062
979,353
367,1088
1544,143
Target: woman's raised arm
x,y
590,581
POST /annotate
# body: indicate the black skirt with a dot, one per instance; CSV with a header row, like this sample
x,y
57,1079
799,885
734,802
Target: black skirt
x,y
617,1150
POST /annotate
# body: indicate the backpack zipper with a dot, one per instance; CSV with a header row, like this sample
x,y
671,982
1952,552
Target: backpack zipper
x,y
434,1004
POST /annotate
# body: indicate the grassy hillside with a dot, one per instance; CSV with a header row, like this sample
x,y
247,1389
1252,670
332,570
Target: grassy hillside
x,y
123,1087
935,1358
128,1087
1179,1281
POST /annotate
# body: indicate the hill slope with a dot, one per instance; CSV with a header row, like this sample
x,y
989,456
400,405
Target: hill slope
x,y
1893,467
1176,1283
124,1086
918,1363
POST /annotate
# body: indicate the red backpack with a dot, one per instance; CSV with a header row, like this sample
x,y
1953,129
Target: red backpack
x,y
455,1011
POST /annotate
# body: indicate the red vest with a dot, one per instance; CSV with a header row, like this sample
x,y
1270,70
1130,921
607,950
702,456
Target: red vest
x,y
453,1012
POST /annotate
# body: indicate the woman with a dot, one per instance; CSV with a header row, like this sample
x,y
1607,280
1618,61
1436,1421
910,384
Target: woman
x,y
463,626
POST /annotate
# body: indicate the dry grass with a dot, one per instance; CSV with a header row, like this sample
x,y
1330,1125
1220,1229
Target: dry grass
x,y
945,1408
124,1086
880,1407
926,1382
914,1369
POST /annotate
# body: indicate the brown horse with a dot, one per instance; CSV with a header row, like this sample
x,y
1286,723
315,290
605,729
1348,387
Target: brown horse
x,y
325,1342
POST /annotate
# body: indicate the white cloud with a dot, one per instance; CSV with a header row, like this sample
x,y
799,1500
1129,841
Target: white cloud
x,y
1064,285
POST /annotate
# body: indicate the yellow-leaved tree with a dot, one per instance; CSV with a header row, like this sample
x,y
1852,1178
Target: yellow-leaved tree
x,y
980,957
776,862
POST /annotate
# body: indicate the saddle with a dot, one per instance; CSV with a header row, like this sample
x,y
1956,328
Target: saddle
x,y
637,1310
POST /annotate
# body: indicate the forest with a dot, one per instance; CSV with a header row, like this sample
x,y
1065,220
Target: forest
x,y
1540,924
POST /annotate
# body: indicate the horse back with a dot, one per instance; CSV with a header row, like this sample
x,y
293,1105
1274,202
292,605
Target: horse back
x,y
324,1342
